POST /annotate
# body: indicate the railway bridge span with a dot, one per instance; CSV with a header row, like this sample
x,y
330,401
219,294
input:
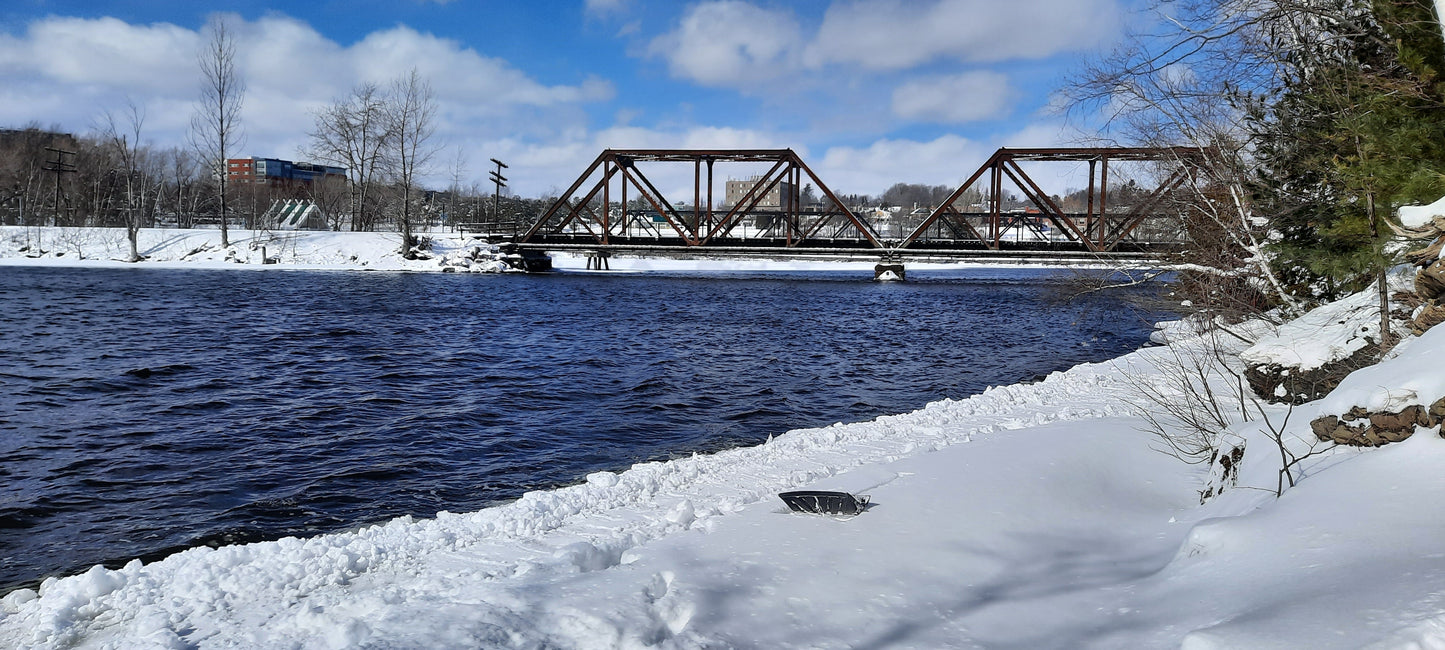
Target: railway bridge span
x,y
615,207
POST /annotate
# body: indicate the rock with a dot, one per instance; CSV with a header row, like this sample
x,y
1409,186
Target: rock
x,y
1437,411
1428,255
1324,427
1300,386
1430,281
1405,420
1223,471
1429,316
1383,428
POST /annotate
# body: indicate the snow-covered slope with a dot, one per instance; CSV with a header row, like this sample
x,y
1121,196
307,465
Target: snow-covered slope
x,y
201,248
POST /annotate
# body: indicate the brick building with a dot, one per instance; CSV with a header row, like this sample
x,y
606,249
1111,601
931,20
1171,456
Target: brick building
x,y
272,171
779,198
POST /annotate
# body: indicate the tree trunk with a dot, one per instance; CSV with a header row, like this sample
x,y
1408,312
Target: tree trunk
x,y
1381,278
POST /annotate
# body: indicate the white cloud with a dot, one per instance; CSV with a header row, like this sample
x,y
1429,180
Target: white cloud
x,y
101,52
946,160
65,71
730,43
605,6
967,97
897,34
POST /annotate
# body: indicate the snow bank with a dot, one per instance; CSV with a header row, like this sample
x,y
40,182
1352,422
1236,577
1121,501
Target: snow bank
x,y
1328,333
1415,216
249,249
1414,375
261,594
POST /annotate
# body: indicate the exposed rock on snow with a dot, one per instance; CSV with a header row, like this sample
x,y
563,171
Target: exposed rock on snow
x,y
1386,402
1306,358
1427,223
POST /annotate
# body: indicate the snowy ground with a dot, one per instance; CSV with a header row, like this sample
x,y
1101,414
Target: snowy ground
x,y
201,248
1029,516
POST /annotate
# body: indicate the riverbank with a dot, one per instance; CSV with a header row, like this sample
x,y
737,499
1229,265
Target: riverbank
x,y
1033,515
248,249
351,251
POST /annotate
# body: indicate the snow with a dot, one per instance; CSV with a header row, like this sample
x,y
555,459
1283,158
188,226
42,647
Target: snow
x,y
1328,333
1411,377
1415,216
1028,516
201,248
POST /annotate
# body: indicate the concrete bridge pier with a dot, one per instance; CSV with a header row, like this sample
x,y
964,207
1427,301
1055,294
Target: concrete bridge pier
x,y
889,269
597,260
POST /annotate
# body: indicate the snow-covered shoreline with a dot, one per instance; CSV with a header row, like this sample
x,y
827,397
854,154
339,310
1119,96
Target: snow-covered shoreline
x,y
172,248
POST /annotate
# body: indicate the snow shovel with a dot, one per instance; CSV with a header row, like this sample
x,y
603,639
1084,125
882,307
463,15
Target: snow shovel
x,y
821,502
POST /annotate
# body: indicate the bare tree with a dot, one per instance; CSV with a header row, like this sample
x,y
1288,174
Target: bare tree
x,y
123,140
454,192
351,133
216,125
410,113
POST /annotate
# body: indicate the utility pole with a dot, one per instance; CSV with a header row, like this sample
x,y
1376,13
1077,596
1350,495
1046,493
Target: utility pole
x,y
60,166
500,181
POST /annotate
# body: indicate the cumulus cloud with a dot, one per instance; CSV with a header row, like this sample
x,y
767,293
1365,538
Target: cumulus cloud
x,y
946,160
104,52
967,97
895,34
65,71
730,43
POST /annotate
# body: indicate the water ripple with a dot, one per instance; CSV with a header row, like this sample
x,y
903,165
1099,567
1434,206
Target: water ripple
x,y
150,411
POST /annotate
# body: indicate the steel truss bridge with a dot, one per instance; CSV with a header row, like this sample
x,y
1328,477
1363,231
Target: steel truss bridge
x,y
600,214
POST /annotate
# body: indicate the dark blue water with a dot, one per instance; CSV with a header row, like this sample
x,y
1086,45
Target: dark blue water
x,y
146,411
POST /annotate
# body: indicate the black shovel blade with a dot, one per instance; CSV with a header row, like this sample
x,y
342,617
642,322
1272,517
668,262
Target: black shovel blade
x,y
821,502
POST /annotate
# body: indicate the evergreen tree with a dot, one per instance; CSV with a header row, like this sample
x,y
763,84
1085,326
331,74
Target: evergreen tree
x,y
1357,131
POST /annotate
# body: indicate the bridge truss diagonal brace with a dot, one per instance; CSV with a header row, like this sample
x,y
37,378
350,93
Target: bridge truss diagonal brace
x,y
1004,163
621,164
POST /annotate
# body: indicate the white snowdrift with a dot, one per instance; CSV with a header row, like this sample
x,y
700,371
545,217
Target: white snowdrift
x,y
201,248
1327,333
1414,216
1412,376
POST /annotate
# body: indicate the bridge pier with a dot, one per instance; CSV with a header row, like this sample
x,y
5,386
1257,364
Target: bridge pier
x,y
526,260
889,269
597,260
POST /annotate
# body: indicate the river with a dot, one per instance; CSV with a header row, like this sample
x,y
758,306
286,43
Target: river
x,y
146,411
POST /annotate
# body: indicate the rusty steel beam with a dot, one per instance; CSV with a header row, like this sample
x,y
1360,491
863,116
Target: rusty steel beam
x,y
787,167
802,229
1004,162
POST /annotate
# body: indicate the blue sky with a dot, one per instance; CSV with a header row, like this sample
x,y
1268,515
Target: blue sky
x,y
871,92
